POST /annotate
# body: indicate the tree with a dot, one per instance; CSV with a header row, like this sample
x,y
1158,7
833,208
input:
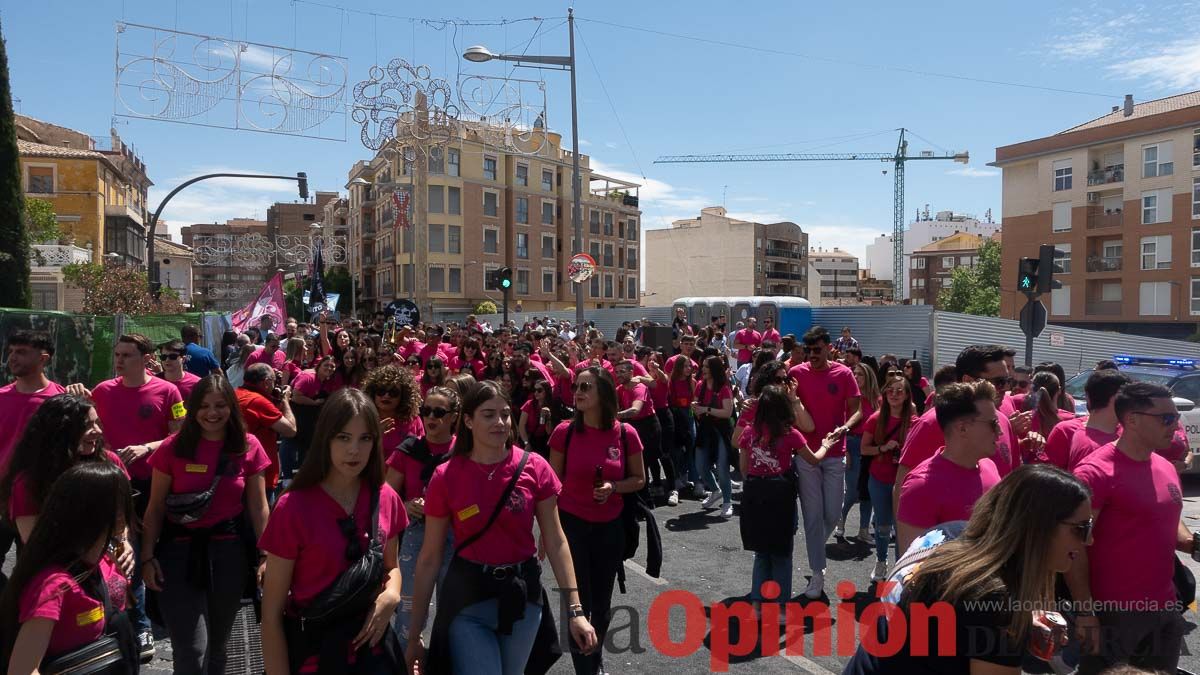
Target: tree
x,y
14,249
485,307
41,223
975,290
336,280
119,289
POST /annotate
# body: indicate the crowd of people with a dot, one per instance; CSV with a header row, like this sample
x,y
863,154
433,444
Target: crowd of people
x,y
341,472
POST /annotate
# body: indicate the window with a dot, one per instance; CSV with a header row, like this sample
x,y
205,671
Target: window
x,y
1114,249
608,286
1062,217
1154,298
1156,207
1060,301
491,204
437,279
454,239
454,280
1156,160
547,180
632,286
947,262
45,296
917,283
437,161
547,213
455,202
39,180
1196,197
522,245
1156,252
595,250
1062,175
594,286
1195,295
632,259
946,281
1110,292
1196,247
594,222
491,240
455,158
547,280
631,231
410,156
437,199
522,175
966,261
489,168
608,255
547,246
608,224
1196,149
407,271
1063,265
918,263
312,217
523,282
437,238
407,239
523,210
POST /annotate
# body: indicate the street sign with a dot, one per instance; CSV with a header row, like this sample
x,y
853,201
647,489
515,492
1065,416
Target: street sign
x,y
405,311
1058,340
1033,318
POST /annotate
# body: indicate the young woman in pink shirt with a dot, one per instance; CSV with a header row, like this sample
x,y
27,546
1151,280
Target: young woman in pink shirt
x,y
336,527
397,399
883,436
64,594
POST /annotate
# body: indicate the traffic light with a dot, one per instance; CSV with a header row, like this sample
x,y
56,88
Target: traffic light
x,y
1047,255
1027,275
302,178
504,278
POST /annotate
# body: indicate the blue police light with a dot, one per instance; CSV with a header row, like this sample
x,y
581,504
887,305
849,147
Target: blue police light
x,y
1127,360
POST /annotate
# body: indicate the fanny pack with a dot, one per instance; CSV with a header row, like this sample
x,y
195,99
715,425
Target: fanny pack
x,y
354,590
112,653
184,508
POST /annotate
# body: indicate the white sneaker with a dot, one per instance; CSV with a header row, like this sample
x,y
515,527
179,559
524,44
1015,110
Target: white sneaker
x,y
712,500
673,498
880,573
864,535
727,511
816,586
840,530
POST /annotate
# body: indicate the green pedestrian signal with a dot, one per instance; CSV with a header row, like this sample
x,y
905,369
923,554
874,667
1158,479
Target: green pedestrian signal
x,y
1027,275
505,275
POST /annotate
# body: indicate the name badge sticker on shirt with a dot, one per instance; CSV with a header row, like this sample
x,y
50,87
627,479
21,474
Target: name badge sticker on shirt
x,y
89,617
195,468
469,512
178,411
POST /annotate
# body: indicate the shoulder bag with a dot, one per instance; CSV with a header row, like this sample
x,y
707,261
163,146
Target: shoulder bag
x,y
355,589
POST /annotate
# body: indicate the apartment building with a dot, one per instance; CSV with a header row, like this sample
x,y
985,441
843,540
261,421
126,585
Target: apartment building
x,y
931,267
1119,197
484,208
715,255
832,277
925,228
230,264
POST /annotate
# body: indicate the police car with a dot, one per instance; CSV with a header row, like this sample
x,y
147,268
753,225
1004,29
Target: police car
x,y
1180,376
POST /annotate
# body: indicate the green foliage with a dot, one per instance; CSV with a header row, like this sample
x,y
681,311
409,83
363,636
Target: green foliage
x,y
336,280
485,307
119,289
14,246
41,223
975,290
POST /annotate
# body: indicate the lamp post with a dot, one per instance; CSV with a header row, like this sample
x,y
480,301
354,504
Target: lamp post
x,y
480,54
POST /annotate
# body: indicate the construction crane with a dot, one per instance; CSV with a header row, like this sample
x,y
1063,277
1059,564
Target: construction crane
x,y
898,158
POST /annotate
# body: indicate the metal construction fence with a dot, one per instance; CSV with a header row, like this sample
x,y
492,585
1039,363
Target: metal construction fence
x,y
83,343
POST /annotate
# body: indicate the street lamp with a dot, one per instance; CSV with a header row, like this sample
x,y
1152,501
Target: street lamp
x,y
480,54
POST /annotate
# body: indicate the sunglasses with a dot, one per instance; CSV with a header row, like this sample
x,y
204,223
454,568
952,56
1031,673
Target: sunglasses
x,y
437,413
1167,419
414,362
1020,384
994,423
350,531
1082,530
393,393
169,357
581,387
894,390
998,382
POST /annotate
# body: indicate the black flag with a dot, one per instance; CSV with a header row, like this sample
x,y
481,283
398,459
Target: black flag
x,y
316,290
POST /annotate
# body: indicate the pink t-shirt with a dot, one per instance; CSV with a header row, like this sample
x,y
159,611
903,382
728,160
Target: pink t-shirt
x,y
307,383
770,457
1006,407
925,439
1085,441
591,448
770,335
186,384
660,394
626,395
292,369
402,430
669,366
410,468
466,492
825,393
22,502
304,528
868,409
939,491
15,410
682,393
587,363
475,366
276,359
886,464
706,398
1137,506
746,417
137,415
1178,450
1058,444
78,618
533,418
750,338
196,474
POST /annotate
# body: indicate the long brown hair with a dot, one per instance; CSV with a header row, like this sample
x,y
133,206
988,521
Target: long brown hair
x,y
907,410
679,366
1005,545
344,405
606,392
189,435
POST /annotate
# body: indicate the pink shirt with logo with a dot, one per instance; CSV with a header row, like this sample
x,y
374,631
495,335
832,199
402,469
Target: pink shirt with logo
x,y
886,464
410,468
1137,506
185,384
466,492
15,410
682,393
751,339
196,474
825,393
304,528
770,457
306,382
78,618
925,439
137,415
22,502
627,394
591,448
276,359
939,491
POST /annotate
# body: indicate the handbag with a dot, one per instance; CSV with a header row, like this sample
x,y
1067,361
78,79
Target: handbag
x,y
184,508
114,653
355,589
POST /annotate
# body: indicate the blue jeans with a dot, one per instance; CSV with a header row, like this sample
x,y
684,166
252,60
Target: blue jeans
x,y
477,648
853,465
137,588
706,454
289,458
683,448
410,549
881,500
769,567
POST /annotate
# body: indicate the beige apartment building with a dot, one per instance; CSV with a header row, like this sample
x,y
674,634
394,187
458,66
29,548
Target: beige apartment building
x,y
483,209
715,255
1119,197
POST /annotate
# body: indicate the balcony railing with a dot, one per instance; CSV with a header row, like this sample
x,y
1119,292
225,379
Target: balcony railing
x,y
1111,174
1103,308
790,276
784,253
1096,263
56,255
123,211
1097,220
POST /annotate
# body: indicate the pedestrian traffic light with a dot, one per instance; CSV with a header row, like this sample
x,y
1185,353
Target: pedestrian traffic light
x,y
504,278
1047,255
1027,275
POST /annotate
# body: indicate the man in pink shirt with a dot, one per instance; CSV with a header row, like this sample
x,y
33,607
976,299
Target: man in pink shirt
x,y
830,393
1070,443
746,341
172,356
769,334
1137,502
687,349
945,487
270,354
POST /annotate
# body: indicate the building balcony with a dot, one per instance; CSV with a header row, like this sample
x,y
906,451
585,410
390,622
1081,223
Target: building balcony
x,y
1107,175
123,211
1098,220
1096,263
790,276
56,255
1103,308
784,253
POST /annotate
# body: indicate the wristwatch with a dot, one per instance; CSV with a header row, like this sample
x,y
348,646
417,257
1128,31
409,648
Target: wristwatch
x,y
1196,546
575,612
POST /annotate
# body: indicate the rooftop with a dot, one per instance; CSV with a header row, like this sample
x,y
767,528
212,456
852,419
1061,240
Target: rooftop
x,y
1155,107
166,247
31,149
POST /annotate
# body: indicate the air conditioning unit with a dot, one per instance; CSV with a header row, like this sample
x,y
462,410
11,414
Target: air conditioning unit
x,y
1093,197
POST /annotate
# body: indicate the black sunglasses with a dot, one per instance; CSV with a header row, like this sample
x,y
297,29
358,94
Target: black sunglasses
x,y
169,357
998,382
1083,530
1020,384
1167,419
349,530
394,393
581,386
437,413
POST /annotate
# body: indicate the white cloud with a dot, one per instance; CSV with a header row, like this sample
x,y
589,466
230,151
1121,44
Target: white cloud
x,y
584,143
972,172
610,145
1175,66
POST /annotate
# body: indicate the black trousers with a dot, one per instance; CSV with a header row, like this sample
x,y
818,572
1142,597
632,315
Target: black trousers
x,y
596,553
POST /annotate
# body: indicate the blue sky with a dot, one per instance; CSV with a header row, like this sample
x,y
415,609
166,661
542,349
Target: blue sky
x,y
840,78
